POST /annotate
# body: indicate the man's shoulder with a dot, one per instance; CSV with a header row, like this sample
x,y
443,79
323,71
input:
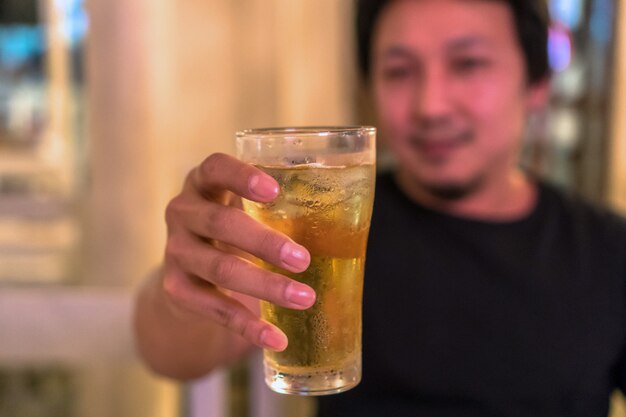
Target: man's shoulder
x,y
582,212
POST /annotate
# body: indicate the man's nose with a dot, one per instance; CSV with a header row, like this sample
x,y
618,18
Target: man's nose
x,y
432,98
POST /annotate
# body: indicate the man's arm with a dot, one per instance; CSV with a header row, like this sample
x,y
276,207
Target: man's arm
x,y
178,344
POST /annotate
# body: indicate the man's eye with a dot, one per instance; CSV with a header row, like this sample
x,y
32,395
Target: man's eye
x,y
464,65
396,73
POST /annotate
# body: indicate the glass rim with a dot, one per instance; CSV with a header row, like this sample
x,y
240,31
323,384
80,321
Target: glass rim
x,y
301,131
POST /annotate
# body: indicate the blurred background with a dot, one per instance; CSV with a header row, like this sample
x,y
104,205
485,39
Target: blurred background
x,y
106,104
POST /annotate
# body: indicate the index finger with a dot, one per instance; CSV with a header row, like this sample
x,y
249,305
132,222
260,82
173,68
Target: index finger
x,y
221,172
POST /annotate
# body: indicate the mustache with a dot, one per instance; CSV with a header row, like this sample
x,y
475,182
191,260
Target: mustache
x,y
448,136
440,130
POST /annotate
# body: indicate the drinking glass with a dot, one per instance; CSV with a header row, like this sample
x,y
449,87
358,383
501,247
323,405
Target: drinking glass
x,y
326,177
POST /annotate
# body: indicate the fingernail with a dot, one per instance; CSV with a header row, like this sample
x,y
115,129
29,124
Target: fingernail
x,y
295,257
271,339
263,187
300,294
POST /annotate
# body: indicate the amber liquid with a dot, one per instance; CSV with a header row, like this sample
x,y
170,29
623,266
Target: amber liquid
x,y
327,210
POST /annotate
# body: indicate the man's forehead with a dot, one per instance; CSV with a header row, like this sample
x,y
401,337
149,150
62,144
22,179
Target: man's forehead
x,y
444,23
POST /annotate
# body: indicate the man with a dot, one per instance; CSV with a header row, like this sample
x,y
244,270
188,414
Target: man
x,y
487,292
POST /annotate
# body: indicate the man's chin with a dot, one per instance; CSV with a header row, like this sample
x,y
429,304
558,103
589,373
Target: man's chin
x,y
451,191
439,186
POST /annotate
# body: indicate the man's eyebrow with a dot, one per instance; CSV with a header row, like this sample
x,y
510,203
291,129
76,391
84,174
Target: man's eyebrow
x,y
464,42
397,51
467,42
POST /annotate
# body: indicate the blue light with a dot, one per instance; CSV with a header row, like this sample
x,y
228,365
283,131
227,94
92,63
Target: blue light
x,y
567,12
76,20
19,43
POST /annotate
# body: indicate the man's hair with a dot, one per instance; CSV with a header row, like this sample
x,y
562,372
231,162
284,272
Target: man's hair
x,y
531,24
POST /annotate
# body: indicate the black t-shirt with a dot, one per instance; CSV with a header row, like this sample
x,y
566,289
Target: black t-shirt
x,y
474,318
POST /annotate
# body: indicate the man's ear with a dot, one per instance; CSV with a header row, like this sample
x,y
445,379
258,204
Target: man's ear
x,y
538,94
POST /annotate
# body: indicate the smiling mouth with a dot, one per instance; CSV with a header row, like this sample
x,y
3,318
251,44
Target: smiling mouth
x,y
439,148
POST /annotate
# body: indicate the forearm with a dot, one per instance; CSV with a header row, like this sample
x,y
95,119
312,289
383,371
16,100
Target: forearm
x,y
180,347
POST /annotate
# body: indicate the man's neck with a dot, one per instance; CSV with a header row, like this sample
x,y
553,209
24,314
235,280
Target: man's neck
x,y
504,198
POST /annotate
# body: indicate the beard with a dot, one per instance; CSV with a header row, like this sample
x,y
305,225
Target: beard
x,y
452,191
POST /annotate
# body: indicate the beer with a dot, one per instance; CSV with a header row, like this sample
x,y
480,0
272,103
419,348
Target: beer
x,y
328,211
326,177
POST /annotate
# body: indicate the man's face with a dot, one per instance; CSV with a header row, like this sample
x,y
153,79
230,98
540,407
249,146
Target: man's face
x,y
450,86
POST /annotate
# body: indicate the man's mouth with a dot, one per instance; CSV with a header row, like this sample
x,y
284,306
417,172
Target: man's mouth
x,y
437,148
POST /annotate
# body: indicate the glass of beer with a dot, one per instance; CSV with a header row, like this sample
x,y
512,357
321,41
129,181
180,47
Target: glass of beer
x,y
326,177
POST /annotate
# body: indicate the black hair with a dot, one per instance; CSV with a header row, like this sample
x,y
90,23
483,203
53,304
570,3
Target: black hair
x,y
531,23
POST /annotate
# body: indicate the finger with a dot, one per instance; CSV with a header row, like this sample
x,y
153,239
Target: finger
x,y
234,273
221,172
234,227
208,301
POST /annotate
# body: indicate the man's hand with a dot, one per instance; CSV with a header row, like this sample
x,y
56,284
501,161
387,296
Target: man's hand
x,y
208,274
